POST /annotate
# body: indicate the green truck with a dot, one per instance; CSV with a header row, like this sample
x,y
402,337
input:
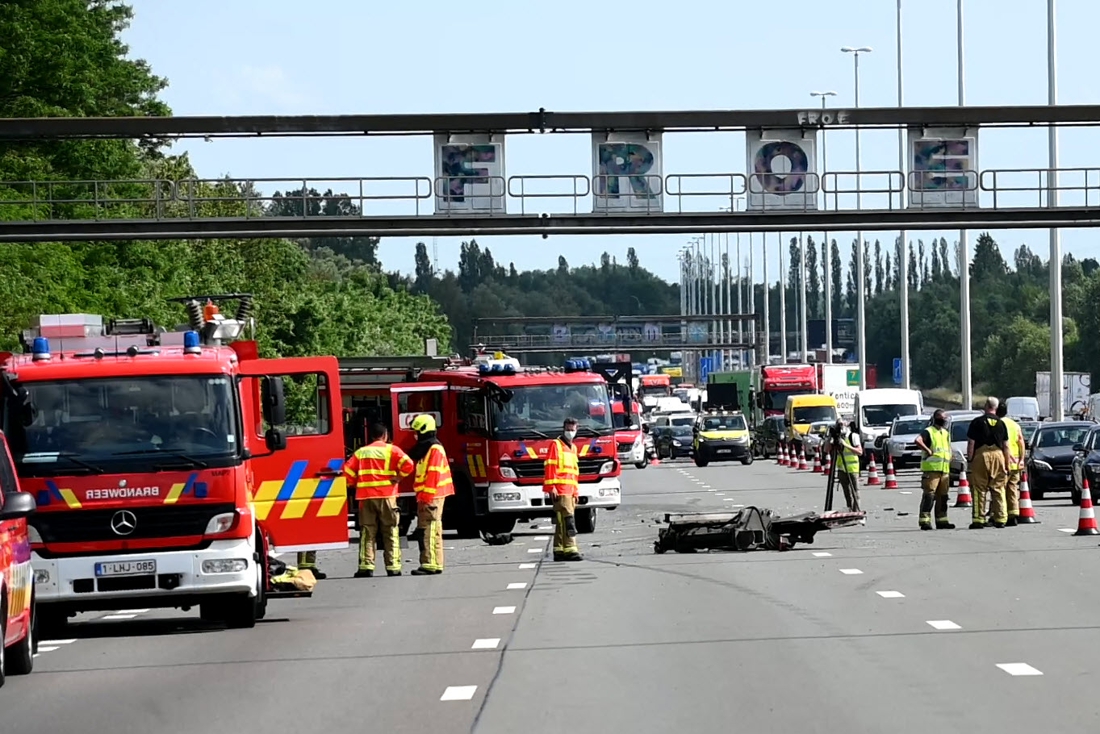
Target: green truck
x,y
733,391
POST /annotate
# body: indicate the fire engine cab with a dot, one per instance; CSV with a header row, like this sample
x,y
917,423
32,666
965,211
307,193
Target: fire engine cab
x,y
167,464
496,420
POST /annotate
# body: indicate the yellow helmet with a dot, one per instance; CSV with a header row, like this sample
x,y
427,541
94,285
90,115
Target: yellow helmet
x,y
423,423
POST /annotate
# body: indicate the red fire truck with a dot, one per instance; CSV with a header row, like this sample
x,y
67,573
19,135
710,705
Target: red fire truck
x,y
496,420
166,464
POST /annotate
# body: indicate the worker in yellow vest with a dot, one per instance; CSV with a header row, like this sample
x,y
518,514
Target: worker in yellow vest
x,y
1015,462
935,466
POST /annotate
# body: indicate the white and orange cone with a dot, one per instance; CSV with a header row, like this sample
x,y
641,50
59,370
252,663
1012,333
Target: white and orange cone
x,y
872,473
818,468
964,499
891,478
1027,512
1086,521
803,465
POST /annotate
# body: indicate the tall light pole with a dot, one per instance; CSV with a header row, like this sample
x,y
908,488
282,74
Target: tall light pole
x,y
804,334
750,300
782,303
767,299
740,291
1057,401
861,293
825,263
903,283
967,376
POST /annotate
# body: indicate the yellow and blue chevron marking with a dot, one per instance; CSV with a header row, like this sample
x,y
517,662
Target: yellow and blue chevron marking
x,y
294,493
197,489
52,493
525,449
584,449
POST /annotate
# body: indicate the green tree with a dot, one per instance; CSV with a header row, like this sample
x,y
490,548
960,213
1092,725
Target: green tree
x,y
813,281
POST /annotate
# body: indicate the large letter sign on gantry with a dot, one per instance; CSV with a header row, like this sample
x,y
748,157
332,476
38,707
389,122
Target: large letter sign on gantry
x,y
469,174
626,172
782,169
943,166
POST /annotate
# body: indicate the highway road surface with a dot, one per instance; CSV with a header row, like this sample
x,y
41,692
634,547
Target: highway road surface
x,y
881,628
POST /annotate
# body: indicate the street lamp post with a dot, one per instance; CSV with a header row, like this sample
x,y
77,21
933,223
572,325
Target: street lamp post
x,y
825,260
1057,401
803,311
767,299
967,377
903,283
861,292
782,303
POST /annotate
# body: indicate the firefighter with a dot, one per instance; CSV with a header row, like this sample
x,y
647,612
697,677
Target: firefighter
x,y
374,471
848,467
988,456
935,466
433,485
560,481
1015,456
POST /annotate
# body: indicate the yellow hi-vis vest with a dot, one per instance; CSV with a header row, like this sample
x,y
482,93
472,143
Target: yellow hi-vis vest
x,y
849,460
940,459
1014,434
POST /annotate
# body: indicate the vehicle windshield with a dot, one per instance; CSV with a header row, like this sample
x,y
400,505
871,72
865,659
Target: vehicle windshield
x,y
680,430
880,416
537,411
683,394
1049,438
724,423
655,391
682,420
104,421
623,422
910,428
814,413
959,428
777,399
1028,429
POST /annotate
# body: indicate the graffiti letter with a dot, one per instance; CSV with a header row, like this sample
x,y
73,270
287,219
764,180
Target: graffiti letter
x,y
629,160
456,160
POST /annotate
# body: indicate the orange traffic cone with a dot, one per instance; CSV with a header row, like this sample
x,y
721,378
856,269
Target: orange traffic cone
x,y
872,473
656,460
818,469
1086,521
891,478
803,465
782,455
1027,512
964,499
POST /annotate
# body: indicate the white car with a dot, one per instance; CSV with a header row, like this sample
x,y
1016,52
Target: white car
x,y
901,447
958,423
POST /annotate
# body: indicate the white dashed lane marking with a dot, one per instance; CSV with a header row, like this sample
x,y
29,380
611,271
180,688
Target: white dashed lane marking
x,y
458,693
1067,530
943,624
489,643
525,566
541,537
891,594
504,610
535,550
823,554
517,585
1018,669
850,571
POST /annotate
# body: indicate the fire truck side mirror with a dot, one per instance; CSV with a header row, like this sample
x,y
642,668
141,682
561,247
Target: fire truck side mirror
x,y
275,439
273,398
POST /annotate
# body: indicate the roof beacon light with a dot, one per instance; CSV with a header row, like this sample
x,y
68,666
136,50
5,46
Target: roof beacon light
x,y
498,364
577,365
191,344
41,349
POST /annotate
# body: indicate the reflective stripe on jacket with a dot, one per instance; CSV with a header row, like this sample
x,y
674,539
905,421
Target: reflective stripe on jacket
x,y
433,476
376,469
561,473
940,458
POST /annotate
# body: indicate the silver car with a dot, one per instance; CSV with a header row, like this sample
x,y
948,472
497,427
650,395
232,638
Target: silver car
x,y
901,444
815,436
958,423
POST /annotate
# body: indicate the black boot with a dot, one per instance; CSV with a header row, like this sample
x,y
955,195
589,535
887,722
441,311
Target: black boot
x,y
426,571
944,525
317,573
977,525
1012,522
393,573
364,573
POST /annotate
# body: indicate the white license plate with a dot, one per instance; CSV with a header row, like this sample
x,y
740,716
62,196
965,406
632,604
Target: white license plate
x,y
126,568
725,451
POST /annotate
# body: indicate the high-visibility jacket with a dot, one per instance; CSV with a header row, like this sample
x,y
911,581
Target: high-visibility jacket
x,y
940,458
849,459
376,469
433,476
1014,435
561,473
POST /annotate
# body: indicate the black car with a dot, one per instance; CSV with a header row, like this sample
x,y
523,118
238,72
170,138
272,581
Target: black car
x,y
673,442
1050,457
768,434
1086,465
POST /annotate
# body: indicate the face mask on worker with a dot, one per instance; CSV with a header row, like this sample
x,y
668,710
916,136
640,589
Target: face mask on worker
x,y
940,421
570,434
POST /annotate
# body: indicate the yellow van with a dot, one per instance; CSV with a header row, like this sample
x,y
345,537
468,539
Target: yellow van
x,y
802,410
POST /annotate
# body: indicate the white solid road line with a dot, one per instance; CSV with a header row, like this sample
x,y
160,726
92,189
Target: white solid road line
x,y
504,610
1018,669
850,571
541,537
119,616
891,594
517,585
46,648
943,624
488,643
57,642
458,693
535,550
823,554
525,566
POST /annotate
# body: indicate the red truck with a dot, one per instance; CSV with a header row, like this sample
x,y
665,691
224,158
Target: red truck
x,y
167,465
778,381
18,629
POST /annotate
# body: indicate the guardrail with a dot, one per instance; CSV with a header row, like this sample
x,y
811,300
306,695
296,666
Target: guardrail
x,y
564,194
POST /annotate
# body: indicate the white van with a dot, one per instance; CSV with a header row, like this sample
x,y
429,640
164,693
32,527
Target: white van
x,y
1023,408
877,409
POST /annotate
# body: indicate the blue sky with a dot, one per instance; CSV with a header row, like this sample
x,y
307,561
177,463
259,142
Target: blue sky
x,y
359,56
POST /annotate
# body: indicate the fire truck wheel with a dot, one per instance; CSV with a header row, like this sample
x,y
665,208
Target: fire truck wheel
x,y
240,611
641,464
586,519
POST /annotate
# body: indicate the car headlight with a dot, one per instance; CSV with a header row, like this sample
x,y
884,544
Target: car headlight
x,y
225,565
957,455
677,443
1040,464
507,472
222,523
741,440
607,467
638,441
